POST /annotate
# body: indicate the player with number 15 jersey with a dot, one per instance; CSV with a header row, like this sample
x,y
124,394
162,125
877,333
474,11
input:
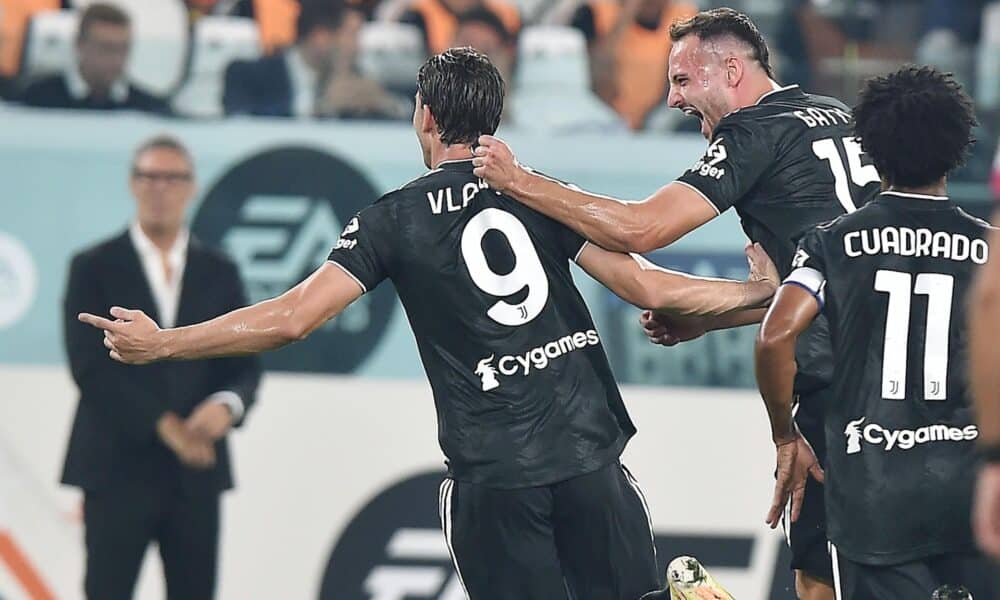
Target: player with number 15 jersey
x,y
529,415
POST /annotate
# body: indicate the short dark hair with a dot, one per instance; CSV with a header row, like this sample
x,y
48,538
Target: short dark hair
x,y
487,17
163,141
101,13
725,22
464,91
915,124
319,14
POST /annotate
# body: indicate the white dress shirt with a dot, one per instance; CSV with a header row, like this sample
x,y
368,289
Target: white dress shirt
x,y
304,84
79,89
167,292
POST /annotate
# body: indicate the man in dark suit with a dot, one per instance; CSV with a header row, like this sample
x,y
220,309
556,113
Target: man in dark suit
x,y
313,78
148,445
97,79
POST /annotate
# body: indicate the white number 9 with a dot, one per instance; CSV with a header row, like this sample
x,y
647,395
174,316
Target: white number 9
x,y
527,272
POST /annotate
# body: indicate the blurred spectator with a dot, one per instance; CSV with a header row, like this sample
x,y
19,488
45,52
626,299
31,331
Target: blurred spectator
x,y
315,77
438,19
629,44
841,47
148,445
995,179
482,29
96,80
14,17
950,34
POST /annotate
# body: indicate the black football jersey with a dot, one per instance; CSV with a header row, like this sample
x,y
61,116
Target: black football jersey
x,y
787,164
893,279
523,389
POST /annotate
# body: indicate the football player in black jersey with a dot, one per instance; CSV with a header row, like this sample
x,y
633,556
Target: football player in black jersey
x,y
783,159
893,279
529,416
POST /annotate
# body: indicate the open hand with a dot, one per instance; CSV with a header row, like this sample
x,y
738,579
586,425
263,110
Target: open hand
x,y
796,463
133,338
761,266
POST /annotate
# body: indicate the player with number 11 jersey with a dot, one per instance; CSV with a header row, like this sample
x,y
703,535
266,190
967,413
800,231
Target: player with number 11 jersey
x,y
893,279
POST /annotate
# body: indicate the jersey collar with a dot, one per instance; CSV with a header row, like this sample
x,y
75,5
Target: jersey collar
x,y
461,164
914,196
908,201
778,93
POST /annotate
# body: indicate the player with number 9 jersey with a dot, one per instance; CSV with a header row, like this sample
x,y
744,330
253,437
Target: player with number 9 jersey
x,y
536,504
525,395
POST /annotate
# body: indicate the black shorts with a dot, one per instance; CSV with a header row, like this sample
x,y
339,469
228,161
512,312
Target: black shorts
x,y
589,536
914,580
807,536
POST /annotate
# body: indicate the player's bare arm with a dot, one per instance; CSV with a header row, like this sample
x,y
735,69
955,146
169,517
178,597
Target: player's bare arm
x,y
135,338
790,314
643,284
643,226
666,329
984,324
984,355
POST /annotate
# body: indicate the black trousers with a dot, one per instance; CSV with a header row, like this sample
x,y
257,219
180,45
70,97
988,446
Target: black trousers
x,y
807,536
915,580
121,521
589,536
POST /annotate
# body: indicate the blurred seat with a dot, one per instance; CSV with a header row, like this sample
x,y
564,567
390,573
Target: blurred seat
x,y
391,53
48,46
14,18
552,84
217,42
988,68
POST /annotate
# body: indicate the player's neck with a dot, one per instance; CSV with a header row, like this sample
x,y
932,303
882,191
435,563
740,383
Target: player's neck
x,y
443,153
938,188
757,89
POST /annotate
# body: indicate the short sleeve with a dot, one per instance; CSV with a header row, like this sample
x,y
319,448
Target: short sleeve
x,y
572,243
365,250
732,165
808,266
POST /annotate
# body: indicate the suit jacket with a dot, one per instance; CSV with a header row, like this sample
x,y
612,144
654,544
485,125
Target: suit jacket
x,y
114,437
53,92
261,87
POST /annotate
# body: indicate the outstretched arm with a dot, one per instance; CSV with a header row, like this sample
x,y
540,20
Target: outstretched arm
x,y
643,284
134,338
616,225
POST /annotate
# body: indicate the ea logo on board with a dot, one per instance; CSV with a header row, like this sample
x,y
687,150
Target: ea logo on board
x,y
278,214
18,280
394,548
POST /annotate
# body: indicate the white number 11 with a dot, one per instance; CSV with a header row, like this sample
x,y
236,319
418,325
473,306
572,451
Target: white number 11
x,y
938,288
